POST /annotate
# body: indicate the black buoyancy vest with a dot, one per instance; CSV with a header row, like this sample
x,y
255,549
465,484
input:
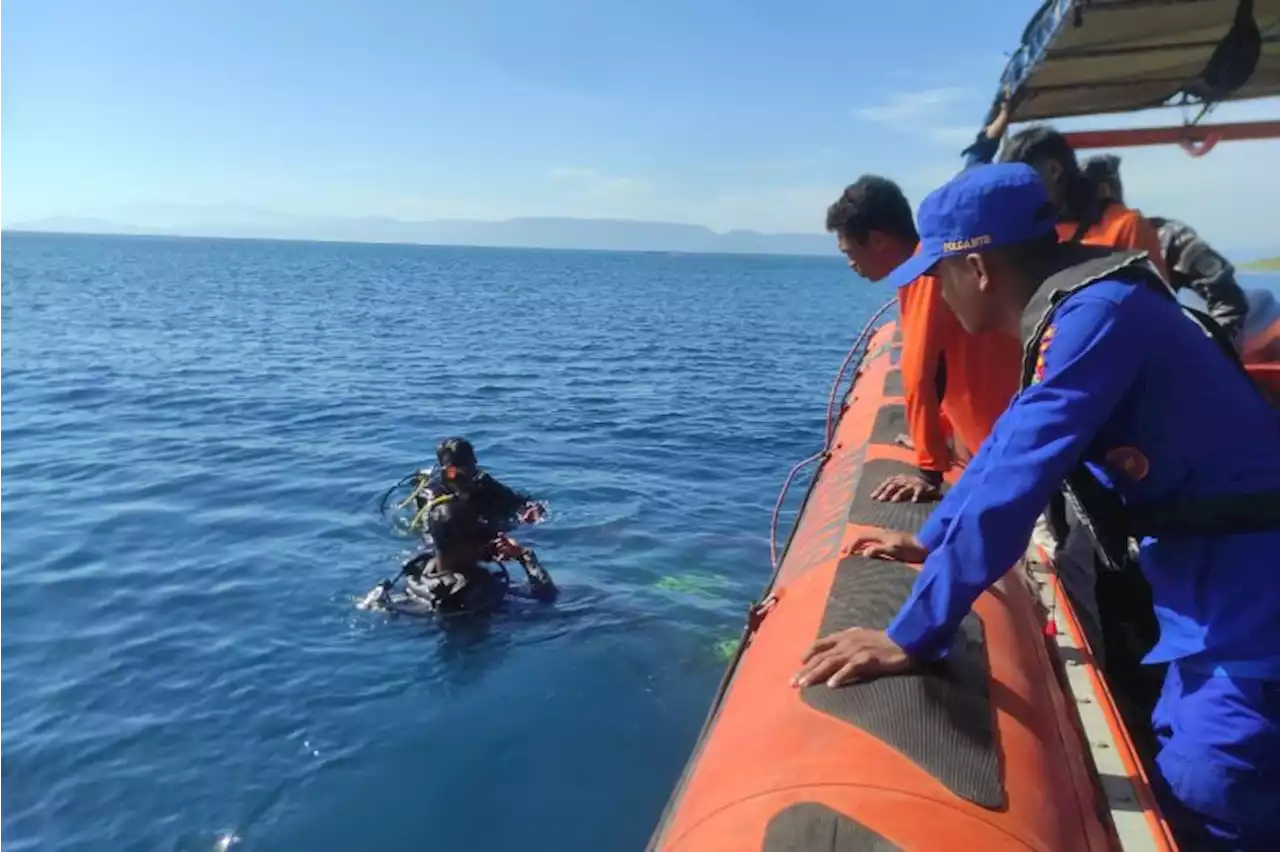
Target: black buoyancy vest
x,y
1109,521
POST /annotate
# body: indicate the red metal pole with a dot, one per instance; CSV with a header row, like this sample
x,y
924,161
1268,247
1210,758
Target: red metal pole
x,y
1196,139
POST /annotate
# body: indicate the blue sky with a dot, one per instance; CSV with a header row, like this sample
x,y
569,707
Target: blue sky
x,y
748,114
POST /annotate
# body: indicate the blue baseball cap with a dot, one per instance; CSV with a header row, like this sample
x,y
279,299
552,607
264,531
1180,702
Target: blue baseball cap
x,y
981,208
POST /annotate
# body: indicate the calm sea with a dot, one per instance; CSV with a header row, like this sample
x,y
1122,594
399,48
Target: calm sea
x,y
196,435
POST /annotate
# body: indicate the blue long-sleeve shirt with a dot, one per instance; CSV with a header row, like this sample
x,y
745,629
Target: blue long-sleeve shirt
x,y
1123,375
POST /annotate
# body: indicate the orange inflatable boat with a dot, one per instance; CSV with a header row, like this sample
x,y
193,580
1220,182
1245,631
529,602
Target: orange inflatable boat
x,y
1013,743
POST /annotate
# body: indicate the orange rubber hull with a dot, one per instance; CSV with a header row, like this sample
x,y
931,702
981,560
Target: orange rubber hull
x,y
779,768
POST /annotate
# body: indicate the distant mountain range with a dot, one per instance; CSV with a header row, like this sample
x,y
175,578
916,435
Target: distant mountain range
x,y
555,233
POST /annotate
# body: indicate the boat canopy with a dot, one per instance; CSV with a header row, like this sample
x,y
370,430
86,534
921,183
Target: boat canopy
x,y
1092,57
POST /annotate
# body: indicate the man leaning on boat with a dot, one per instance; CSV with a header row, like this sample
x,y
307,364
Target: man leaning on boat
x,y
1119,390
954,384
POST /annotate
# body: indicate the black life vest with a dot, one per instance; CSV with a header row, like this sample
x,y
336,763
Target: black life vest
x,y
1109,521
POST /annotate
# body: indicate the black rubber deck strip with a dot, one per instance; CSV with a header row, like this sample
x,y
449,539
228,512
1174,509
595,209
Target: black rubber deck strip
x,y
903,517
891,421
893,383
941,717
814,827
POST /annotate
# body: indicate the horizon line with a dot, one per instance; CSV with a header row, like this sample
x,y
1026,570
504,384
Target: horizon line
x,y
22,224
11,230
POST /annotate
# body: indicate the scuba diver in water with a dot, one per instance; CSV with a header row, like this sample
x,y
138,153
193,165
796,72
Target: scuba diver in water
x,y
466,513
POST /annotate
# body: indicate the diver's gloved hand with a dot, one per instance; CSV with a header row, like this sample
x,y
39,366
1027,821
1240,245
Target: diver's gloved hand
x,y
532,513
503,548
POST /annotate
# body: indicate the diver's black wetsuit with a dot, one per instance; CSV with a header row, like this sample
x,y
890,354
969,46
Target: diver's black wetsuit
x,y
475,514
463,520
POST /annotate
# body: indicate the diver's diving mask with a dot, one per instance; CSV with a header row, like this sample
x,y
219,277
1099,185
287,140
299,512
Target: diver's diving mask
x,y
456,477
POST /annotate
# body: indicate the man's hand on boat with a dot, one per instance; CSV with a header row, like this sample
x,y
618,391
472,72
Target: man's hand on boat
x,y
851,655
858,653
919,487
889,544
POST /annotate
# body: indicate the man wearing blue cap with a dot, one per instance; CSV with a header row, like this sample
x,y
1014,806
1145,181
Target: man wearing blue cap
x,y
1119,389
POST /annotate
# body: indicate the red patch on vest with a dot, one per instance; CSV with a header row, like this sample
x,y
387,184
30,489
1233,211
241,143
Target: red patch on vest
x,y
1130,461
1045,339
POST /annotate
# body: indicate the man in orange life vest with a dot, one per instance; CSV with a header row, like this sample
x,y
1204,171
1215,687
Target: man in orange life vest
x,y
1151,422
950,378
1083,217
1192,263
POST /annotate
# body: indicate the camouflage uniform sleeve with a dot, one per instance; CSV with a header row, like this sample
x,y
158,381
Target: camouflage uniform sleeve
x,y
1193,263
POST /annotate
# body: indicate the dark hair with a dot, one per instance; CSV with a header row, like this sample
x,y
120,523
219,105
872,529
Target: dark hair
x,y
1039,143
872,204
454,528
1030,258
1042,143
1104,170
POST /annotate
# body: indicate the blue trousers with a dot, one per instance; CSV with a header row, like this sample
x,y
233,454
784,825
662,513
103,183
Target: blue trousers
x,y
1219,759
